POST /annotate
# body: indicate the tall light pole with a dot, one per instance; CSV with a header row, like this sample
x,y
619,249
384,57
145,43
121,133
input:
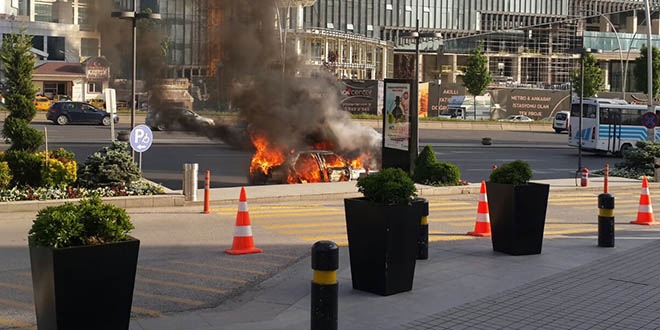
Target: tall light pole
x,y
134,16
414,111
649,66
582,52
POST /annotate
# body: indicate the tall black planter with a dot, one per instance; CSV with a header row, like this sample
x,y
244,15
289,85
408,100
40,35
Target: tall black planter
x,y
517,216
85,287
382,244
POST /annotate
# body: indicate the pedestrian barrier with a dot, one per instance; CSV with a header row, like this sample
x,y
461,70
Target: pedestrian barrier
x,y
423,238
482,225
605,220
645,210
243,240
325,289
207,193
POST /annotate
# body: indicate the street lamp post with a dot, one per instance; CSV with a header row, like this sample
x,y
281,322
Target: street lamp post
x,y
414,111
649,67
581,51
134,16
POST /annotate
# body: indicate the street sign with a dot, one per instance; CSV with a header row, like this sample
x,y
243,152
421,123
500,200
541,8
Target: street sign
x,y
650,120
141,138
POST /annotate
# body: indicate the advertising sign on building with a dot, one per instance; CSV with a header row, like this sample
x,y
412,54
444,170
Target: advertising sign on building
x,y
97,69
396,130
360,96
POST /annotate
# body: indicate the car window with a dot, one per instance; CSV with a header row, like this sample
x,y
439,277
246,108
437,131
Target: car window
x,y
87,107
333,160
69,106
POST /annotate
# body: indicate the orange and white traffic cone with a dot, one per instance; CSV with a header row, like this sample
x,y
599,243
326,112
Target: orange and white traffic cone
x,y
243,241
645,210
482,225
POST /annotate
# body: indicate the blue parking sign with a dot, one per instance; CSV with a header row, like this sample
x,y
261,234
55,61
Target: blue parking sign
x,y
141,138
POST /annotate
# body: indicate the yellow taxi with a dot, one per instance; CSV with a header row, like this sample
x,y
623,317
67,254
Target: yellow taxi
x,y
42,103
97,102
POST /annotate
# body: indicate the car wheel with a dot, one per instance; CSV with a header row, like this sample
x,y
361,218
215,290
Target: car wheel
x,y
62,120
160,127
106,121
558,130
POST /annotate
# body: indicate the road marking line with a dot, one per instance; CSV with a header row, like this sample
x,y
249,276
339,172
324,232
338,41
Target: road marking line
x,y
296,215
218,267
176,272
169,298
180,285
18,304
265,207
12,323
16,286
306,225
145,311
311,231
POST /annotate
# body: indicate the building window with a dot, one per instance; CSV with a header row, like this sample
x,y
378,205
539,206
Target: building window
x,y
89,47
56,49
94,87
43,12
349,26
38,42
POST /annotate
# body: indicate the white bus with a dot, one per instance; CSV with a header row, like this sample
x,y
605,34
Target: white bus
x,y
608,125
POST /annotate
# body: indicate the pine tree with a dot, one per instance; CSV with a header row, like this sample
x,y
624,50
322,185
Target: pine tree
x,y
19,99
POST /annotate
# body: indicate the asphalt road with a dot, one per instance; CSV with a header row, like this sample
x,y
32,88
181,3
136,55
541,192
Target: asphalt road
x,y
547,152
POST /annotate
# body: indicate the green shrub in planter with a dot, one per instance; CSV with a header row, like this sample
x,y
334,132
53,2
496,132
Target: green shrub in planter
x,y
110,167
388,186
83,266
88,223
444,173
516,172
25,167
5,175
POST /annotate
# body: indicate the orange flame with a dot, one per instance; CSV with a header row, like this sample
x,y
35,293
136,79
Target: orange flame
x,y
265,157
306,170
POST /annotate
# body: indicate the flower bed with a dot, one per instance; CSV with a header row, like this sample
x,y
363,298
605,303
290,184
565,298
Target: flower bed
x,y
139,188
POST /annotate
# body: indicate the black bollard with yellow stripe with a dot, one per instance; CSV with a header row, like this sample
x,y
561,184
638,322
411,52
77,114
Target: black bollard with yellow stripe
x,y
605,220
423,239
325,262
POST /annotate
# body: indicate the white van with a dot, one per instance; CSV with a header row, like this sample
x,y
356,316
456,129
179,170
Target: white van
x,y
561,120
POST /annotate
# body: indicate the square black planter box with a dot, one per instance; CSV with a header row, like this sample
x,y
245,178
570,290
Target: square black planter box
x,y
382,244
517,216
84,287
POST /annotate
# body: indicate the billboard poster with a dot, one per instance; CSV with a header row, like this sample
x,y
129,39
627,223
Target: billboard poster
x,y
396,129
359,96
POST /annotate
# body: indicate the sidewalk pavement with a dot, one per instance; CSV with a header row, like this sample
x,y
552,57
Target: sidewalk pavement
x,y
572,284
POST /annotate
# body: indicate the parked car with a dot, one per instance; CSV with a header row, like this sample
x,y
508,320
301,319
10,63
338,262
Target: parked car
x,y
97,102
61,98
42,103
178,118
63,113
306,166
122,105
517,118
561,120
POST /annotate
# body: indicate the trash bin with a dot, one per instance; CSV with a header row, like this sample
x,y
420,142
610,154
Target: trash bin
x,y
190,181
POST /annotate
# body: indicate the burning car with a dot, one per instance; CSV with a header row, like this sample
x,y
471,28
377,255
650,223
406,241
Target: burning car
x,y
304,167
